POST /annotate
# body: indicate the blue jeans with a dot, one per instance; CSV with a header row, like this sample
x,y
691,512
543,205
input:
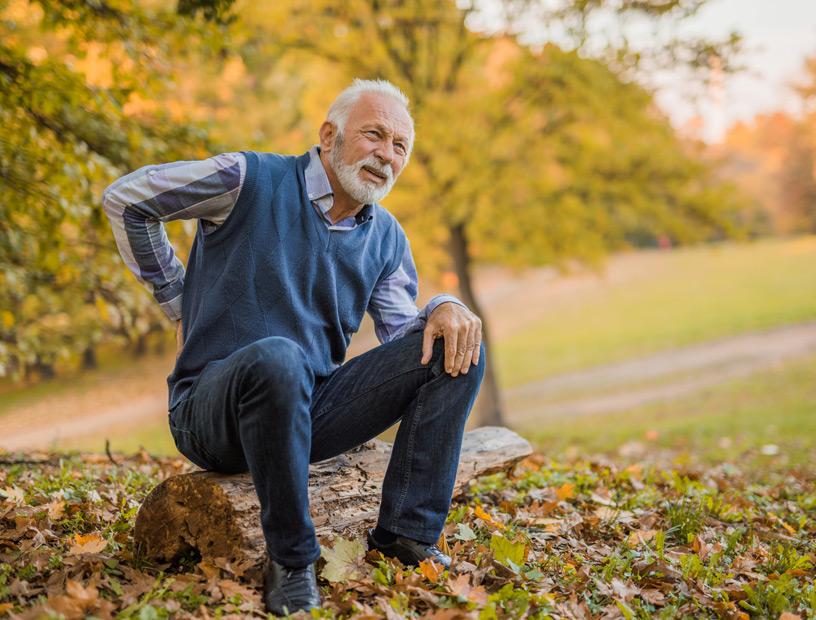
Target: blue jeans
x,y
263,410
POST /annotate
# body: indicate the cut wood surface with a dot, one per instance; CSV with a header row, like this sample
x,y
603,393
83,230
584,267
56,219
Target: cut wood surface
x,y
219,515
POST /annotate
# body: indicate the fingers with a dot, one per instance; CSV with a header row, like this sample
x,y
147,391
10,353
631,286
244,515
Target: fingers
x,y
461,341
453,360
471,350
462,331
473,340
427,344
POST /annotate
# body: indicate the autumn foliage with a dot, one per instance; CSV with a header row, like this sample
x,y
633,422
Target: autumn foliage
x,y
589,538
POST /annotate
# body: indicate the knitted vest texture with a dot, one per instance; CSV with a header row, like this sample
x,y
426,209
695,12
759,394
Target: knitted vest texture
x,y
274,268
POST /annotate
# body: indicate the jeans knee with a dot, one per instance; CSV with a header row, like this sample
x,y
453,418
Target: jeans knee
x,y
277,367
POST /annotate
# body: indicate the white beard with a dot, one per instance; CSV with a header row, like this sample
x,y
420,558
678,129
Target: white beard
x,y
360,190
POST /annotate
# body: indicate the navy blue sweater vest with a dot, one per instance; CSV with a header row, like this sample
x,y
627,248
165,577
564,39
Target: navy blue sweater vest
x,y
274,268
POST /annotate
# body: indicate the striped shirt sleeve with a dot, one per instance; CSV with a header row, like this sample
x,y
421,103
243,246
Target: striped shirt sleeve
x,y
393,303
139,203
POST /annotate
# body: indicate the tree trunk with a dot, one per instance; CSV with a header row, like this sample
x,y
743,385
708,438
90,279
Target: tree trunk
x,y
488,405
89,361
139,345
219,515
44,369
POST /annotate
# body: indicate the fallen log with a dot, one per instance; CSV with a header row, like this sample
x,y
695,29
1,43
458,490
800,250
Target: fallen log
x,y
219,515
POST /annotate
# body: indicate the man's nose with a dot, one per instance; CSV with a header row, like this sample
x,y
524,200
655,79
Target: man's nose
x,y
385,151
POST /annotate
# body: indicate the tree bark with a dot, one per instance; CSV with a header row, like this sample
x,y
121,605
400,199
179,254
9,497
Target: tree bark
x,y
219,515
488,406
89,361
44,369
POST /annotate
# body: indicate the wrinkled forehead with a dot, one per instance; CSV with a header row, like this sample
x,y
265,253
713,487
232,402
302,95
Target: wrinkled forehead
x,y
383,112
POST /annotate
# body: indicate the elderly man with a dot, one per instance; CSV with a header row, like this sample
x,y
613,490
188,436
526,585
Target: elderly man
x,y
290,252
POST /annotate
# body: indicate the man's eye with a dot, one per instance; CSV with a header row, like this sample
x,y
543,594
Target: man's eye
x,y
400,147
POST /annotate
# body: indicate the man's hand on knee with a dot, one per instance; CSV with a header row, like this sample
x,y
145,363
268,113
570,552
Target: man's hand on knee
x,y
462,331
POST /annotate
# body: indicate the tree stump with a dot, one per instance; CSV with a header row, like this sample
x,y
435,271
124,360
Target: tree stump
x,y
219,515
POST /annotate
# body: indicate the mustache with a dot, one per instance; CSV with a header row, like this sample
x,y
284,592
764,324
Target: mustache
x,y
374,164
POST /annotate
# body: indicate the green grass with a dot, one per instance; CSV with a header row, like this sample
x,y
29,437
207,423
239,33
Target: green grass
x,y
115,363
730,422
678,298
153,436
674,298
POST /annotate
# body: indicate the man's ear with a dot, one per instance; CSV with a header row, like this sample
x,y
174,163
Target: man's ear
x,y
327,134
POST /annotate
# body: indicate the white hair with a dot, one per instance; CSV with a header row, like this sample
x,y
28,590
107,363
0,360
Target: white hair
x,y
342,106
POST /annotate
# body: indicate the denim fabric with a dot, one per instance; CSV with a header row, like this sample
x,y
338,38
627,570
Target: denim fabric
x,y
261,409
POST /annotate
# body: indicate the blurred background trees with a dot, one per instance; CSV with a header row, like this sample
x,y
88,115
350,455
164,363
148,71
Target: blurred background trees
x,y
773,159
77,80
531,150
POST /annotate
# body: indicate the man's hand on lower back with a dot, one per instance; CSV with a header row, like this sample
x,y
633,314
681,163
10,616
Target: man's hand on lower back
x,y
179,338
462,331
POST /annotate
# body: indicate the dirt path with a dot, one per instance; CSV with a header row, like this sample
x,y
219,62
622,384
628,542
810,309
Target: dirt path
x,y
97,409
658,377
129,401
116,408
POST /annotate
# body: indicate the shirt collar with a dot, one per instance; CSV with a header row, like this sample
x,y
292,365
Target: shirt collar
x,y
320,191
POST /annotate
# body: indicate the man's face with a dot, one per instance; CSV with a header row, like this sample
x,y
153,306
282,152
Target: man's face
x,y
374,149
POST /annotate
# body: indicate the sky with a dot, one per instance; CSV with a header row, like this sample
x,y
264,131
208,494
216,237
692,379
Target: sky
x,y
777,36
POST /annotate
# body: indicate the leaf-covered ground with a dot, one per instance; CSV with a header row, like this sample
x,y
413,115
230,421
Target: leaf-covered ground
x,y
589,538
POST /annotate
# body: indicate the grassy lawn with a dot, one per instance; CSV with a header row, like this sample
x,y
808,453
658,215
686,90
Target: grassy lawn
x,y
768,419
153,435
731,422
677,298
667,299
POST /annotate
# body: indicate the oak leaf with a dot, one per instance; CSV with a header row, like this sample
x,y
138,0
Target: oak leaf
x,y
465,532
624,592
430,570
565,491
461,587
76,602
13,494
481,514
92,543
56,510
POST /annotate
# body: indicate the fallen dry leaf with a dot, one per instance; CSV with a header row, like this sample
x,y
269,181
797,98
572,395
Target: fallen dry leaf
x,y
430,570
14,495
56,510
461,587
344,561
641,537
481,514
92,543
76,602
565,491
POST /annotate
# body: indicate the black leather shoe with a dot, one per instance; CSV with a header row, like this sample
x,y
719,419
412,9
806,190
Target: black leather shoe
x,y
288,590
407,551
